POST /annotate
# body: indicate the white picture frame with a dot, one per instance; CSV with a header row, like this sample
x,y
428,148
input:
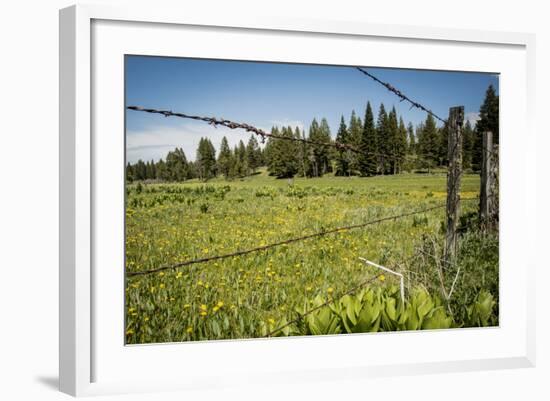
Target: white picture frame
x,y
93,359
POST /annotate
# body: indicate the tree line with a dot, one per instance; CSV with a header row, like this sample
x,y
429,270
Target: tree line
x,y
386,146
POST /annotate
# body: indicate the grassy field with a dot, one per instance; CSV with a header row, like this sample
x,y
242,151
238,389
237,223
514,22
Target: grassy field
x,y
249,296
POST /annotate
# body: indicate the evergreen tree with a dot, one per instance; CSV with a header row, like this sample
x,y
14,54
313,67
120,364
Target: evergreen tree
x,y
253,154
225,159
400,146
411,139
355,137
206,160
315,151
192,170
129,172
443,140
320,133
240,155
428,143
161,171
383,141
268,153
140,170
368,158
467,144
302,151
488,121
176,165
391,141
283,161
343,159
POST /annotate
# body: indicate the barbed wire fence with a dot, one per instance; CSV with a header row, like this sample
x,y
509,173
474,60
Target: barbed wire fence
x,y
452,203
284,242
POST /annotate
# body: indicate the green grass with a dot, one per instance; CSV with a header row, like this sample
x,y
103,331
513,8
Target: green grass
x,y
245,296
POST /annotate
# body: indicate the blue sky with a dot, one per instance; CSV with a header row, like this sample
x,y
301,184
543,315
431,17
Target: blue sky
x,y
267,94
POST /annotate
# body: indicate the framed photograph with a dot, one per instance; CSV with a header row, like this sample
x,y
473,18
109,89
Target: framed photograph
x,y
272,200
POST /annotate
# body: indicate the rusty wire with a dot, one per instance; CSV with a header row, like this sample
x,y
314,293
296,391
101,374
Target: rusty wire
x,y
401,95
257,131
328,302
284,242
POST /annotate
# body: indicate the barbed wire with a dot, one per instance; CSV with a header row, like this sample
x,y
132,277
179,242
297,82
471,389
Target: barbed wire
x,y
401,95
334,298
328,302
257,131
284,242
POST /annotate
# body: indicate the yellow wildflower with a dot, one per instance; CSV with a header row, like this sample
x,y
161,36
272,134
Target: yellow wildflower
x,y
190,329
330,290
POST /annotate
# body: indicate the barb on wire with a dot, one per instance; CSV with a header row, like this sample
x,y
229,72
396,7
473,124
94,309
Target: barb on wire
x,y
284,242
328,302
401,95
257,131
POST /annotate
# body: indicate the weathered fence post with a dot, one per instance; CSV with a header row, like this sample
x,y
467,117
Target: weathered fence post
x,y
489,176
454,173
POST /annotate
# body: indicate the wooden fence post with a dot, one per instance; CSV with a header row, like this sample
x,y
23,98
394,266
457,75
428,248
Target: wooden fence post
x,y
454,173
489,176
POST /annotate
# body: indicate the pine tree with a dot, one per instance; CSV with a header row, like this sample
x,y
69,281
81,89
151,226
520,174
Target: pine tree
x,y
400,145
383,140
343,159
176,165
225,159
368,158
428,143
316,152
391,141
467,144
253,157
161,171
206,159
302,151
283,160
488,121
443,138
411,139
268,153
240,154
323,153
140,170
355,137
129,172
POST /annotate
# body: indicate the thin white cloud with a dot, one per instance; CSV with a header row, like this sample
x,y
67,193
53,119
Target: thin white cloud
x,y
154,143
472,117
287,123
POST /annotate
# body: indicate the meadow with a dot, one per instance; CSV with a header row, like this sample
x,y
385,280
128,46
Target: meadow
x,y
253,295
